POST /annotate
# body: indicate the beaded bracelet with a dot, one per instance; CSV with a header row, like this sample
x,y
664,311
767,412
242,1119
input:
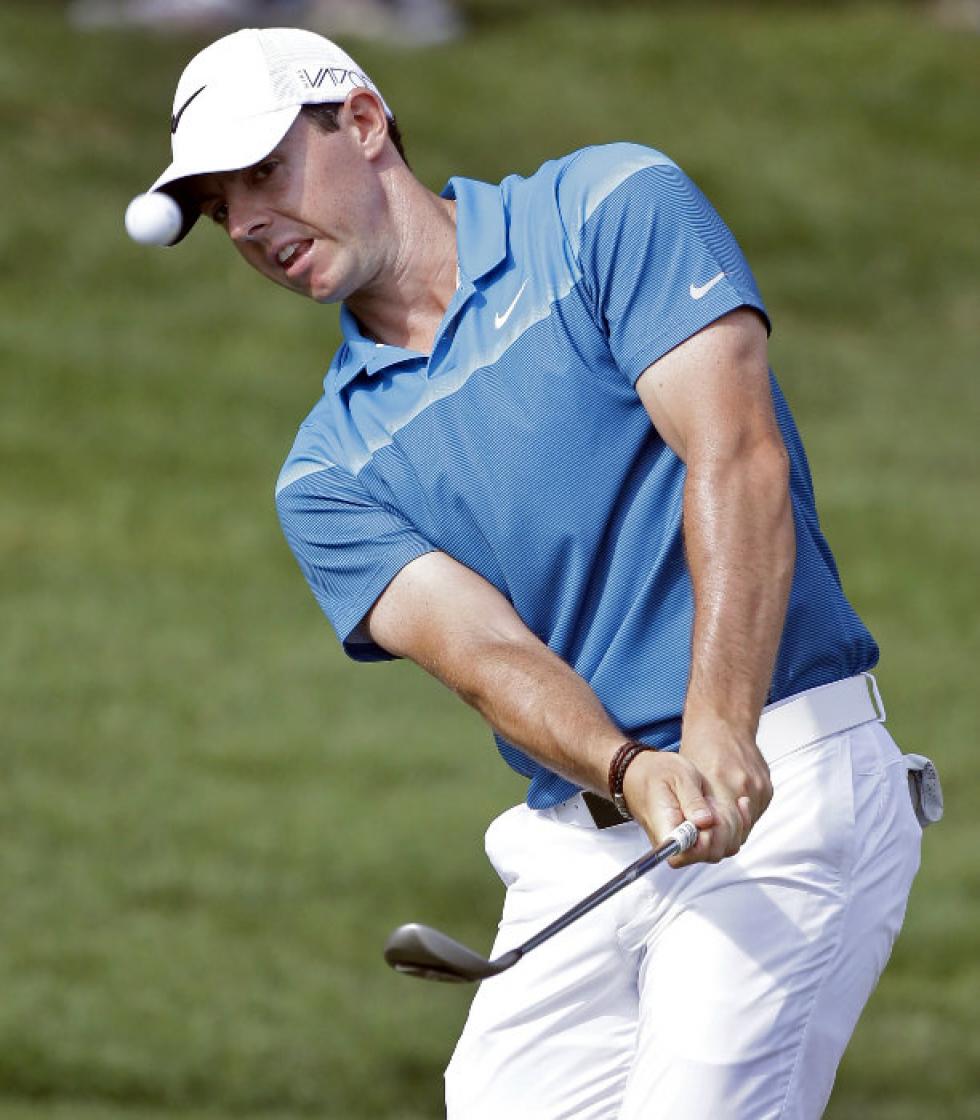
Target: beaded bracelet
x,y
617,772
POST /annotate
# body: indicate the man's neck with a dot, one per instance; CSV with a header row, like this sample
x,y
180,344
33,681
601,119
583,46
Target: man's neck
x,y
406,305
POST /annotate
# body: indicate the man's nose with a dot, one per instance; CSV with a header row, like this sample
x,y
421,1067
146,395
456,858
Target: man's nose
x,y
245,221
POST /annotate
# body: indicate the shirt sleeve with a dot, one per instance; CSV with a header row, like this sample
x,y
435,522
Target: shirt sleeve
x,y
348,547
658,263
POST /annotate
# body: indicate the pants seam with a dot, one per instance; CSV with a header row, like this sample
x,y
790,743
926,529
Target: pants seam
x,y
847,879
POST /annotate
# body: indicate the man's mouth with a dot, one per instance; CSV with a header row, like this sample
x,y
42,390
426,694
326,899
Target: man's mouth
x,y
291,256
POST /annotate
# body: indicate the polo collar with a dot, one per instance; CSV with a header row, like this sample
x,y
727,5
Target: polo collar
x,y
481,228
361,354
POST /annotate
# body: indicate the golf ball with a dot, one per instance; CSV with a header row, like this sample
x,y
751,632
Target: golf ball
x,y
153,219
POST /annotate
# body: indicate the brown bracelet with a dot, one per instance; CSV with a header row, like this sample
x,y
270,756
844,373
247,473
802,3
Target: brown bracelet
x,y
618,766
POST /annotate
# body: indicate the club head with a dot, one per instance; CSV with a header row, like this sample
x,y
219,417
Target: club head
x,y
422,951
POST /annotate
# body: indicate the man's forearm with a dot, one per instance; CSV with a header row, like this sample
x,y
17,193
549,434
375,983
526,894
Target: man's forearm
x,y
535,700
741,547
463,631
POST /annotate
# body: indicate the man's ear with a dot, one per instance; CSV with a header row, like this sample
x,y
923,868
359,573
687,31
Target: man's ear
x,y
365,113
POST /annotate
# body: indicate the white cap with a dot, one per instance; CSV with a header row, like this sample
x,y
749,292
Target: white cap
x,y
238,98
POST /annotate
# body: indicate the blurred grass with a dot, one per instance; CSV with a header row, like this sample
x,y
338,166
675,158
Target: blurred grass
x,y
209,820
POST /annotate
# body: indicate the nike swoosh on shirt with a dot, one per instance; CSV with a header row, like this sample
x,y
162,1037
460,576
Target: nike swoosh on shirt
x,y
698,291
175,119
499,320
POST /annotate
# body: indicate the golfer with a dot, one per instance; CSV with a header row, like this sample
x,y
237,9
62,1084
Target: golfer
x,y
550,465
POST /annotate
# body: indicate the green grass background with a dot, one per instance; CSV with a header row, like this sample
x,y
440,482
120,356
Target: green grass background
x,y
209,820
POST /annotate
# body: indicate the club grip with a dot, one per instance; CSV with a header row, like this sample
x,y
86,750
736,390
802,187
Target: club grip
x,y
685,835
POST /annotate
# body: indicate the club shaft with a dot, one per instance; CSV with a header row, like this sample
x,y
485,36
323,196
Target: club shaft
x,y
628,875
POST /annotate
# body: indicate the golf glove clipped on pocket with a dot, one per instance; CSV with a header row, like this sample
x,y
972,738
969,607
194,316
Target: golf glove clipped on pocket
x,y
924,788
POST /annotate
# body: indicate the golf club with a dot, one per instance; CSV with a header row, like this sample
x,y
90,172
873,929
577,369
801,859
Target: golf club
x,y
422,951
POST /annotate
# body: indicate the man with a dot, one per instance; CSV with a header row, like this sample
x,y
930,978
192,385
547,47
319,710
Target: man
x,y
551,466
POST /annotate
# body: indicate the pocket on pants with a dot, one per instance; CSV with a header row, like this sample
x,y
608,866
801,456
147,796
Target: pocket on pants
x,y
812,814
503,842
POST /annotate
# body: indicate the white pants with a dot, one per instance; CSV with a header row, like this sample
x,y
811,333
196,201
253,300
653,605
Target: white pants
x,y
726,990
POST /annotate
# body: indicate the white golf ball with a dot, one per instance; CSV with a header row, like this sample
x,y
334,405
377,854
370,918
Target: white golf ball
x,y
153,219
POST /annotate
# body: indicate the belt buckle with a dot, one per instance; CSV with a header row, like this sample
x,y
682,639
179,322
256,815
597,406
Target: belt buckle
x,y
603,812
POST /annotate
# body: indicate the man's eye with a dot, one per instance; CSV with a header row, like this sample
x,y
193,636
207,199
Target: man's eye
x,y
264,170
219,213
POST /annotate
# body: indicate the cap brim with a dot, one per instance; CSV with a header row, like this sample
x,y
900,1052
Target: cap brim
x,y
241,143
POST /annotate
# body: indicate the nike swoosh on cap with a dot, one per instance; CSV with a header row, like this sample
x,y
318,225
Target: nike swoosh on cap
x,y
175,119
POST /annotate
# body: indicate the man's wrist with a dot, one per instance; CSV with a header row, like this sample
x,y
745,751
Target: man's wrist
x,y
730,717
618,765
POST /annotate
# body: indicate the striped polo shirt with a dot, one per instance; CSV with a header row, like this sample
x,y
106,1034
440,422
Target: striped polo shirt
x,y
520,447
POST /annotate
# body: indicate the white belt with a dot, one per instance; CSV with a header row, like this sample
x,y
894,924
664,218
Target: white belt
x,y
786,726
826,710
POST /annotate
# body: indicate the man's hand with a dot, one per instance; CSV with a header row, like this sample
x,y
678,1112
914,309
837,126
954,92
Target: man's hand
x,y
662,789
720,785
737,785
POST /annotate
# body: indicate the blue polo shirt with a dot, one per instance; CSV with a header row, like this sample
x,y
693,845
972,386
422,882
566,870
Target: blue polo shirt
x,y
520,447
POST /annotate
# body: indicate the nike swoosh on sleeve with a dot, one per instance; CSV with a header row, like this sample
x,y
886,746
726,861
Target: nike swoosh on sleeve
x,y
699,291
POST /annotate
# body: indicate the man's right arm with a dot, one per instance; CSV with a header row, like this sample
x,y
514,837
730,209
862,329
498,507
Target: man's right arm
x,y
463,631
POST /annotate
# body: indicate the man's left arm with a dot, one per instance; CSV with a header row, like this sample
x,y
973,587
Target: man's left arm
x,y
710,400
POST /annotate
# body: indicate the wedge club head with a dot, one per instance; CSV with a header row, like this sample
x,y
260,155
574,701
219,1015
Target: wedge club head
x,y
422,951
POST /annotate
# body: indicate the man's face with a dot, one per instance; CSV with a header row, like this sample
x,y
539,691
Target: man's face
x,y
307,216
